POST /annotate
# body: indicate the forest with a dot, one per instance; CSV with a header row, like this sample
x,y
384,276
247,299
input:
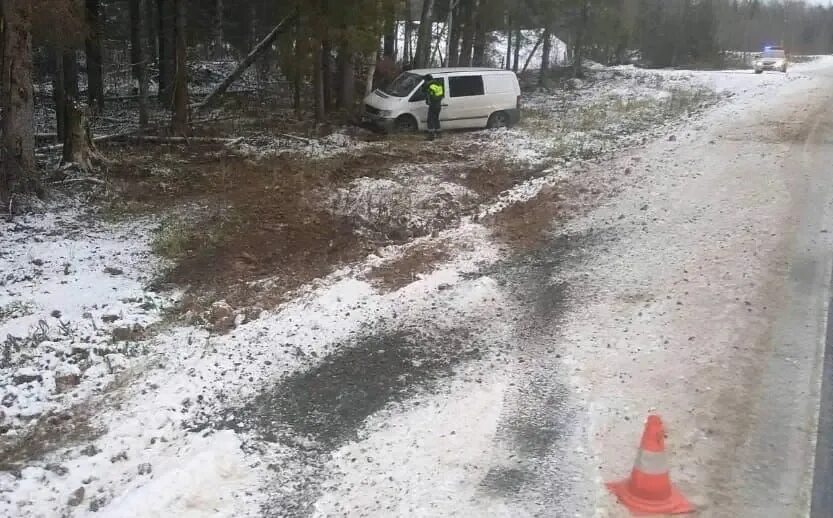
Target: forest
x,y
73,59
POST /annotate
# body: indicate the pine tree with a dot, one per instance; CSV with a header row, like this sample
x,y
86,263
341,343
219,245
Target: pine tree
x,y
17,154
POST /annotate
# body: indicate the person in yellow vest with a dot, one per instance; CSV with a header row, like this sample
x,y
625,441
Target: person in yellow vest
x,y
434,93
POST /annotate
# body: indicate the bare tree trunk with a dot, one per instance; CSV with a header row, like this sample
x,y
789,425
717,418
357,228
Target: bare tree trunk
x,y
371,76
218,35
70,65
136,52
17,153
150,29
407,51
479,48
327,74
389,44
391,30
297,69
78,148
508,64
452,32
167,52
546,52
318,83
578,51
252,24
517,56
347,78
73,129
138,57
58,91
95,78
458,20
437,36
468,13
423,50
180,116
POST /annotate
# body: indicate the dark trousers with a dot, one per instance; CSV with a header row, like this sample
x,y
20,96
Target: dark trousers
x,y
434,116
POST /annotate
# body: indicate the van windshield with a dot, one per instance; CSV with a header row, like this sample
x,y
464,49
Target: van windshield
x,y
403,85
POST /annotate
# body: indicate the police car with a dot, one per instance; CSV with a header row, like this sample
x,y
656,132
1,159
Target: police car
x,y
772,58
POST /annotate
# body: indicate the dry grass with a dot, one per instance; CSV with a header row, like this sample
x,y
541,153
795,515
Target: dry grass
x,y
528,224
418,260
63,430
234,221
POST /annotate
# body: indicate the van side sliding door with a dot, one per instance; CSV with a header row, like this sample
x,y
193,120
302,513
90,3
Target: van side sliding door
x,y
466,103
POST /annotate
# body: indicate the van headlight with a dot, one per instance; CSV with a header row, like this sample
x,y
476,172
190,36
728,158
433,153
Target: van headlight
x,y
759,63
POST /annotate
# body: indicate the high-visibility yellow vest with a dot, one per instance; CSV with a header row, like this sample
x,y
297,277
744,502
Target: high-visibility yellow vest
x,y
436,90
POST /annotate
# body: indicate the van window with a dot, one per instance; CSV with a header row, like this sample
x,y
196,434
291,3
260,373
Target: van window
x,y
419,96
466,86
403,85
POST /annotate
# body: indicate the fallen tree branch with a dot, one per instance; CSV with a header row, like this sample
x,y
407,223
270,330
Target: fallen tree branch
x,y
246,63
83,179
136,136
104,138
534,49
296,137
155,139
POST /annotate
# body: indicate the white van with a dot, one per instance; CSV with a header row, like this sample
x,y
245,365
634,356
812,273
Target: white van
x,y
474,98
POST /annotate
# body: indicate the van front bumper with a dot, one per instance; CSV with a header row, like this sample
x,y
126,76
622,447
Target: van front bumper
x,y
760,67
381,123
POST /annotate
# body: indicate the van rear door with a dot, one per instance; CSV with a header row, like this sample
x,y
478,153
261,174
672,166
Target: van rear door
x,y
465,102
503,94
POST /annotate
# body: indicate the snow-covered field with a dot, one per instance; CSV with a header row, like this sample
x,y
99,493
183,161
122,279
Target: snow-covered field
x,y
168,433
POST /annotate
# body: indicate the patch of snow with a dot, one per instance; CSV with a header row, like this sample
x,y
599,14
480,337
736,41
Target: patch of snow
x,y
266,146
440,450
413,197
70,283
207,477
522,192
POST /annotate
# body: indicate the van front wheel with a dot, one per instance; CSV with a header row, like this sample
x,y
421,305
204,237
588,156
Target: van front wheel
x,y
405,124
499,120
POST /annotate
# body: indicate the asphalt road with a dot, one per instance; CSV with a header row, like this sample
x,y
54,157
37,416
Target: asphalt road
x,y
793,394
822,503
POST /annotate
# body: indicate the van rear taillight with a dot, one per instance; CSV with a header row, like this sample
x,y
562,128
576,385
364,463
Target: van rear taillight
x,y
518,102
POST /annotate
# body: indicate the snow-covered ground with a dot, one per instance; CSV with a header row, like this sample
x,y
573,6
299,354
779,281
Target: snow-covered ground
x,y
171,432
73,308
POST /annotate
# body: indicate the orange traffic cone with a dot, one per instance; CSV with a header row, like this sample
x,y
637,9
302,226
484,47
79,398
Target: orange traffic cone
x,y
649,489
